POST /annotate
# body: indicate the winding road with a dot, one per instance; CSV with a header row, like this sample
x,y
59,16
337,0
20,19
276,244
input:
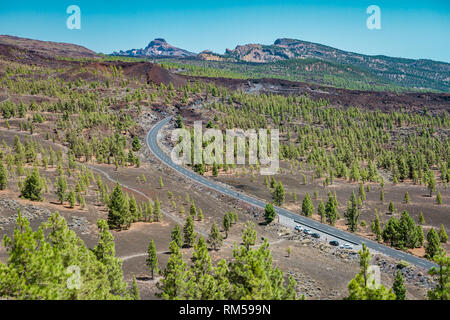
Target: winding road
x,y
152,143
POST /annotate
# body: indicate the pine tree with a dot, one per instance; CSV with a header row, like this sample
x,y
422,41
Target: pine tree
x,y
157,215
361,192
200,214
391,208
3,177
269,213
433,246
382,195
363,286
232,217
106,253
201,284
134,291
331,209
175,275
71,198
188,231
49,255
420,237
215,238
179,122
408,231
431,182
226,224
307,206
235,216
161,184
32,186
442,290
354,172
118,214
376,227
391,232
278,194
273,183
136,144
152,259
399,286
321,211
421,218
249,234
407,199
352,213
176,236
439,198
82,201
193,210
253,276
130,157
133,209
442,234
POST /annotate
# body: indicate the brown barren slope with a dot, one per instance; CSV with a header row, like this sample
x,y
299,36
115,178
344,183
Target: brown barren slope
x,y
49,47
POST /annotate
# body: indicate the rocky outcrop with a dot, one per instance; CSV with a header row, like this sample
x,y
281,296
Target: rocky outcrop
x,y
29,212
157,48
208,55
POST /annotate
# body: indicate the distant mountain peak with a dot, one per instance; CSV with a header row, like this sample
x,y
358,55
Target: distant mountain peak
x,y
286,41
157,48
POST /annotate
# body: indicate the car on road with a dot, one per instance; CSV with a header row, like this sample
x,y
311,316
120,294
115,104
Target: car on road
x,y
347,246
334,243
307,231
315,235
298,227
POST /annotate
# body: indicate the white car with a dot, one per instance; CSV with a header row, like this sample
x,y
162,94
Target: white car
x,y
347,246
307,231
298,227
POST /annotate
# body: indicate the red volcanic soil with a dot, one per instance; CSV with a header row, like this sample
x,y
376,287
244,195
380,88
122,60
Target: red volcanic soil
x,y
147,71
153,72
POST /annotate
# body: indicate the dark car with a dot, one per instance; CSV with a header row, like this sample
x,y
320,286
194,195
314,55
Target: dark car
x,y
315,235
334,243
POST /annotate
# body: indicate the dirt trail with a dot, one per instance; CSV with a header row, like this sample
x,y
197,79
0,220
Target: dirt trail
x,y
168,214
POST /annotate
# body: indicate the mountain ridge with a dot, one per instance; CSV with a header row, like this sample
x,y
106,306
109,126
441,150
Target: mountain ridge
x,y
405,72
156,48
420,73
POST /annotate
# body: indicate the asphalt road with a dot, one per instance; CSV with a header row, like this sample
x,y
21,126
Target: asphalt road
x,y
323,228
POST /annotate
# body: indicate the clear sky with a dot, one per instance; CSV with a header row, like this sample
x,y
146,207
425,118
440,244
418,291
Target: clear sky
x,y
410,29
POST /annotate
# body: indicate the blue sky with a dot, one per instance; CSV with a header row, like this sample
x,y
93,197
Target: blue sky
x,y
410,29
